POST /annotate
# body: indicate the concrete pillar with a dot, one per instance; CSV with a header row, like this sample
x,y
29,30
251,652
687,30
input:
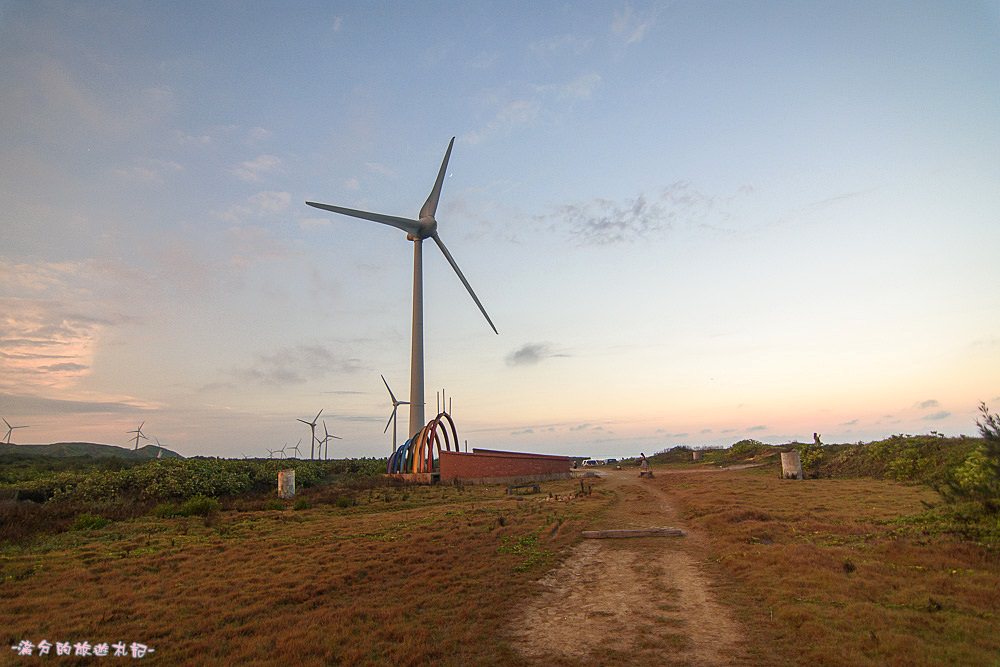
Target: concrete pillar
x,y
791,465
696,455
286,484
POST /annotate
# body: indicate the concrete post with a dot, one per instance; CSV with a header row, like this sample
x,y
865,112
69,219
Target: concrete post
x,y
286,484
791,465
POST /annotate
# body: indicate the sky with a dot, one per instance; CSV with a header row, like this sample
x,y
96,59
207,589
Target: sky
x,y
692,222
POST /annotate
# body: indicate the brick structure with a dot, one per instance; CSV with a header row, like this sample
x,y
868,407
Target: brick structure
x,y
488,466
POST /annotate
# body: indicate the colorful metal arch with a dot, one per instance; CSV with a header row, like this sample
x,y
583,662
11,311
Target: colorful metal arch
x,y
416,455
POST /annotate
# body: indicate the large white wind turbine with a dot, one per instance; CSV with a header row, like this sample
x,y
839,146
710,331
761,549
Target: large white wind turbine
x,y
392,417
424,227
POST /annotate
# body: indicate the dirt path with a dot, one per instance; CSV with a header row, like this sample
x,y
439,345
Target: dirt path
x,y
632,601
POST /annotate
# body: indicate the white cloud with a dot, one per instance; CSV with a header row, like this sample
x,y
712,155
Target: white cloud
x,y
630,27
271,201
511,115
262,204
258,134
253,170
379,168
568,44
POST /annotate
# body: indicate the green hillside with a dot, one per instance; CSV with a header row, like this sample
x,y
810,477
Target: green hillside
x,y
91,449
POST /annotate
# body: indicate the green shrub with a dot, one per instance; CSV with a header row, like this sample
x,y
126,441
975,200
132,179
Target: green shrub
x,y
301,504
89,522
274,504
198,506
344,502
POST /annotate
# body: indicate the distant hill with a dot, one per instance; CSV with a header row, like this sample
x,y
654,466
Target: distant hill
x,y
67,449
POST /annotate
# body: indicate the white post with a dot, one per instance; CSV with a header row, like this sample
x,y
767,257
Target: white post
x,y
286,483
791,465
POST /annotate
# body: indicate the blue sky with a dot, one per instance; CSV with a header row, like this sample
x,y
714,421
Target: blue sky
x,y
691,222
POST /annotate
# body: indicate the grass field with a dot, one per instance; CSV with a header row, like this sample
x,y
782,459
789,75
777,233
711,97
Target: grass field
x,y
832,571
406,576
843,572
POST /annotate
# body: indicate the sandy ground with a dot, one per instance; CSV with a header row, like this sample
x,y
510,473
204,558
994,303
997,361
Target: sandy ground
x,y
633,601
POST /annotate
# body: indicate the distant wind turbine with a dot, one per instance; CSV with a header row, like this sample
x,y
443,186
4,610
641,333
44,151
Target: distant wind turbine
x,y
295,449
138,434
424,227
10,430
327,437
392,417
312,426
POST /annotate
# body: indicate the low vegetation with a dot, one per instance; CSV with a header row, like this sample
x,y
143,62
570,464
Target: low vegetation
x,y
40,494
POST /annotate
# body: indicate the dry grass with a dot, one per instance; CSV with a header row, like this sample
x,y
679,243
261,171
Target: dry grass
x,y
819,571
406,576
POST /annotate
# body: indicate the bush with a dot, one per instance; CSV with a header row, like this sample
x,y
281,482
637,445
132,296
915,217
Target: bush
x,y
194,506
977,479
301,504
89,522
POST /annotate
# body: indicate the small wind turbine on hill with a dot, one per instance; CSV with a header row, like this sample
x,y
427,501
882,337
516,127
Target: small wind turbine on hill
x,y
392,417
312,426
295,449
424,227
138,434
10,430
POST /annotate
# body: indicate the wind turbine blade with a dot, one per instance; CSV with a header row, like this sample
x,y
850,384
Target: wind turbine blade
x,y
430,206
407,225
336,437
386,429
304,422
316,418
324,428
454,265
7,423
391,395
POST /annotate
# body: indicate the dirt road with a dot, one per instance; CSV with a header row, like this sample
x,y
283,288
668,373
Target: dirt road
x,y
642,601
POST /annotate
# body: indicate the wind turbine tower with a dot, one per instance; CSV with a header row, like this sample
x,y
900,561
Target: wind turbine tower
x,y
424,227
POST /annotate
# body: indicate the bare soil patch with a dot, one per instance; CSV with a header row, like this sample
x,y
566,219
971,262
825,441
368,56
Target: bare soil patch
x,y
635,601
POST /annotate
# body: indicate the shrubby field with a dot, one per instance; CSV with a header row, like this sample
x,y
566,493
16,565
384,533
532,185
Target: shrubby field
x,y
41,494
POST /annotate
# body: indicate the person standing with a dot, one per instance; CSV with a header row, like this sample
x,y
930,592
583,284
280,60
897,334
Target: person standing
x,y
644,466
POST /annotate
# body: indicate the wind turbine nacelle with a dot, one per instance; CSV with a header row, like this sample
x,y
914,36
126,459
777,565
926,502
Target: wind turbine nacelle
x,y
428,227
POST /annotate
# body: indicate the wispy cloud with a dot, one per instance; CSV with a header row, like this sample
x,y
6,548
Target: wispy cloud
x,y
852,422
261,204
297,365
604,222
530,354
512,115
759,427
37,405
53,316
570,45
935,416
581,88
149,171
253,171
629,26
924,405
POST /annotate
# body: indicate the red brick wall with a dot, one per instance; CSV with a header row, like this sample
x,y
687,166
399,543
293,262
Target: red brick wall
x,y
489,465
